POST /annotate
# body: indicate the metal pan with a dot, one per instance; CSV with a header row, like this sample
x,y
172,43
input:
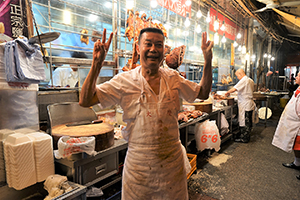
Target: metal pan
x,y
45,37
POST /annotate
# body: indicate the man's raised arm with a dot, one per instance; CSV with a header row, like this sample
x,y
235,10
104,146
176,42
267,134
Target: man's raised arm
x,y
88,95
206,80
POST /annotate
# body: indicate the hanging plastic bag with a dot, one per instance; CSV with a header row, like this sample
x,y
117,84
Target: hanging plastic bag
x,y
72,145
224,125
207,136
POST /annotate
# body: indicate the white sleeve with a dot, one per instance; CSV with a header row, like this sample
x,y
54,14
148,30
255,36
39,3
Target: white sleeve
x,y
56,78
297,106
240,85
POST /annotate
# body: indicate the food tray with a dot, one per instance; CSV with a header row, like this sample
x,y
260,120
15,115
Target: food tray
x,y
193,162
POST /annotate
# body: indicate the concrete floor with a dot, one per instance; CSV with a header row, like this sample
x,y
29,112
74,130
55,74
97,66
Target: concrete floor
x,y
251,171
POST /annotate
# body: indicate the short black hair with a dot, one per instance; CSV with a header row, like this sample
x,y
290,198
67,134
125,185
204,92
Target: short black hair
x,y
152,30
77,54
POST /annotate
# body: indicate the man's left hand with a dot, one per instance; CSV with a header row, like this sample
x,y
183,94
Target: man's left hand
x,y
206,47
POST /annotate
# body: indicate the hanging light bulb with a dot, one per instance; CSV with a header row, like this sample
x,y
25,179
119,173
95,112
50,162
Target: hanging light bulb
x,y
269,56
239,48
247,56
216,38
185,33
235,44
223,26
129,4
243,49
187,22
223,39
92,18
208,18
216,25
67,16
167,26
153,3
253,57
188,2
239,35
199,14
265,55
177,31
272,58
198,28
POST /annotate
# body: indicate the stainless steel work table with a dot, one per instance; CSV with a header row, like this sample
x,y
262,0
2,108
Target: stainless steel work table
x,y
88,170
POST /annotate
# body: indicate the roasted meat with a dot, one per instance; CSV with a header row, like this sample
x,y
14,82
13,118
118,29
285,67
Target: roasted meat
x,y
175,58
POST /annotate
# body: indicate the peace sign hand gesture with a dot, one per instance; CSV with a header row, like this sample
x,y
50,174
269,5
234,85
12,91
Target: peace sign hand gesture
x,y
206,47
101,48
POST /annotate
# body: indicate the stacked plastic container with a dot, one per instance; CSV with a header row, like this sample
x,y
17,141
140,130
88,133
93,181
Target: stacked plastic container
x,y
43,153
19,161
28,159
3,135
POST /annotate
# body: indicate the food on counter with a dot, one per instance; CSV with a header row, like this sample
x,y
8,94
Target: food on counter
x,y
186,115
135,24
56,185
175,58
84,38
217,96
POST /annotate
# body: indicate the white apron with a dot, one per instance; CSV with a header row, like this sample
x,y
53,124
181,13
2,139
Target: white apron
x,y
154,164
242,105
288,127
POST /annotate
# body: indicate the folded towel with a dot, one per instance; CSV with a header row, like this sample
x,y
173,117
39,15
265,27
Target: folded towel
x,y
23,62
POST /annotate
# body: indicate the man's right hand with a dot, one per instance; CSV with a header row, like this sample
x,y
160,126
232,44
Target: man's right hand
x,y
101,48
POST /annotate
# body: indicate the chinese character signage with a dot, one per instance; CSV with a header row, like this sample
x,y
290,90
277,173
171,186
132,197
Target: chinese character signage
x,y
230,27
13,18
177,6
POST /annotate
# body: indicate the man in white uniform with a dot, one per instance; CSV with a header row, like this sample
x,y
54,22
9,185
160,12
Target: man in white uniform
x,y
67,77
149,96
287,134
246,105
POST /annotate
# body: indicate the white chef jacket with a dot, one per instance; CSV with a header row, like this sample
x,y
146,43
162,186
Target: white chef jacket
x,y
289,124
245,88
154,164
64,76
124,88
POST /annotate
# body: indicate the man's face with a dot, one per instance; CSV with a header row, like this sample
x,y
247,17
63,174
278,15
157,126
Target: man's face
x,y
297,79
74,67
151,49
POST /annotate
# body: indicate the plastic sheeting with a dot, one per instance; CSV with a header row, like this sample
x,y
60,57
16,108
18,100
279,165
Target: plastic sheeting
x,y
18,109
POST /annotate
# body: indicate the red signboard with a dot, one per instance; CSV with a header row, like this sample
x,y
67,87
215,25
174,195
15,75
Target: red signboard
x,y
177,6
231,29
14,19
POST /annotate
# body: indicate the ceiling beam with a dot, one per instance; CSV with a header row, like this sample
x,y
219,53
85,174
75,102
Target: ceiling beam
x,y
259,20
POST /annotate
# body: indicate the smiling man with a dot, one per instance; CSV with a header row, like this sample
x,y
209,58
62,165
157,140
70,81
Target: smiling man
x,y
149,96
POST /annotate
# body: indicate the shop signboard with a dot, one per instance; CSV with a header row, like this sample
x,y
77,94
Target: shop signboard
x,y
230,27
14,18
178,6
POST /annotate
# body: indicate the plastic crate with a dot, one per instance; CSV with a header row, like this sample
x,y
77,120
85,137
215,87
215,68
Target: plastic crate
x,y
193,162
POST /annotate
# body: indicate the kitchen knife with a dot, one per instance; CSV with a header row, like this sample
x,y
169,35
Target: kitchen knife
x,y
97,121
